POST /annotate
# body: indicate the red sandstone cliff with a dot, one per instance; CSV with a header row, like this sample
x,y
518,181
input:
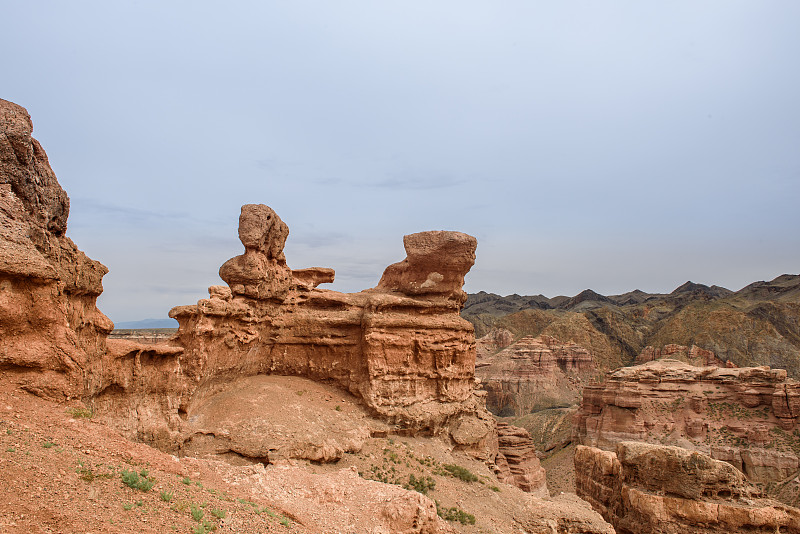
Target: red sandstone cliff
x,y
532,373
656,489
745,416
401,349
50,327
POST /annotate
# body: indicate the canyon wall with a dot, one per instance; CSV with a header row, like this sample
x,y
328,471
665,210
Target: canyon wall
x,y
532,373
745,416
654,489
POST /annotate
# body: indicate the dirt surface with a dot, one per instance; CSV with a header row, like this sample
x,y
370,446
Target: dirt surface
x,y
561,471
62,472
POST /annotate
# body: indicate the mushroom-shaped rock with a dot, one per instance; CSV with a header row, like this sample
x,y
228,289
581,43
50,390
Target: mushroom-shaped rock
x,y
435,266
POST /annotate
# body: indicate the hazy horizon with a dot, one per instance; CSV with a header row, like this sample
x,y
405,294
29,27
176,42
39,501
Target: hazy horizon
x,y
608,146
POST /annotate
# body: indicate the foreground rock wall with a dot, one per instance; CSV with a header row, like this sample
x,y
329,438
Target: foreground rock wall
x,y
745,416
51,329
653,489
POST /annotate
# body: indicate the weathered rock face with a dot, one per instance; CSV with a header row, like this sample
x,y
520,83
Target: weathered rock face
x,y
745,416
260,272
532,374
435,266
517,461
400,347
645,488
693,355
50,327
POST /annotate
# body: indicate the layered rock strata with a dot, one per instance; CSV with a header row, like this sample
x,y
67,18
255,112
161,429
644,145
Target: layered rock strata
x,y
693,355
51,330
517,462
655,489
746,416
400,347
532,373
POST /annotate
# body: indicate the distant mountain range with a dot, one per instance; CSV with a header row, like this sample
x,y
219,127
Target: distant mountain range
x,y
757,325
146,324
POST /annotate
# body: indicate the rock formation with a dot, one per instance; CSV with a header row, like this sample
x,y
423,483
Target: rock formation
x,y
51,329
746,416
656,489
517,462
400,347
393,360
693,355
532,374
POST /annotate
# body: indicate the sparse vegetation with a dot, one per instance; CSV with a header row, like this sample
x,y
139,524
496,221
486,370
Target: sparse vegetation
x,y
140,481
166,496
461,473
197,513
421,484
81,413
455,514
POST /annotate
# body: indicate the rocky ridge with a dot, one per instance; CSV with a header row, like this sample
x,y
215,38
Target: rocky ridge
x,y
757,325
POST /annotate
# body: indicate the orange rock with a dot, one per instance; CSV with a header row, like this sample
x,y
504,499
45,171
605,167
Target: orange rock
x,y
651,489
731,414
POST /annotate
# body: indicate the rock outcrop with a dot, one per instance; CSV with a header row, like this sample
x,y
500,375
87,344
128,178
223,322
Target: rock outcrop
x,y
51,330
401,352
517,462
400,347
693,355
655,489
746,416
533,373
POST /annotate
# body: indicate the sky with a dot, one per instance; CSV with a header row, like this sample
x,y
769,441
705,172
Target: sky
x,y
611,145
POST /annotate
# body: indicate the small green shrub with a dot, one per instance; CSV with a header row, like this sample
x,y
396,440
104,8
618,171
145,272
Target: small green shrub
x,y
81,413
459,472
197,513
219,514
421,484
48,444
455,514
205,527
134,480
187,481
166,496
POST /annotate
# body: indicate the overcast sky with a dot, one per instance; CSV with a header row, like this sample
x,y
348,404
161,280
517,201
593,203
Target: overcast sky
x,y
596,144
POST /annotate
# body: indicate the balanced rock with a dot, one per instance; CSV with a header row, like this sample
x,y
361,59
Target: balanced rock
x,y
435,266
260,272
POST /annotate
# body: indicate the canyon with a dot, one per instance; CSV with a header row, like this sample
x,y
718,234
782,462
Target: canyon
x,y
332,412
278,405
